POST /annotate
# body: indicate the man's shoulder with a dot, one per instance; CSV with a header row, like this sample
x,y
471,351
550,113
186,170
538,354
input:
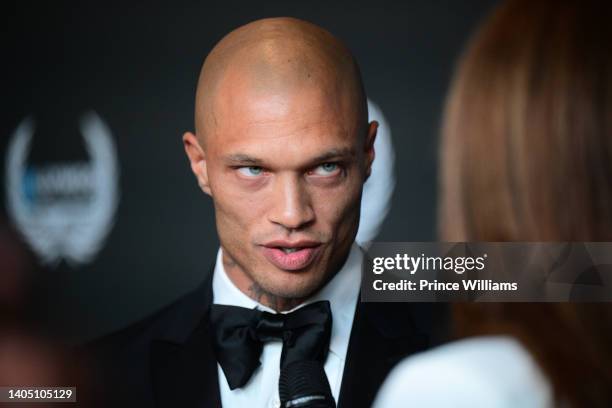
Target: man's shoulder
x,y
143,328
121,361
172,321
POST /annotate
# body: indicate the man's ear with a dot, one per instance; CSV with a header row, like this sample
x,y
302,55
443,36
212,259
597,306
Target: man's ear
x,y
197,159
369,147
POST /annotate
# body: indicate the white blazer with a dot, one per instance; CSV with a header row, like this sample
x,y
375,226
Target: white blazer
x,y
491,372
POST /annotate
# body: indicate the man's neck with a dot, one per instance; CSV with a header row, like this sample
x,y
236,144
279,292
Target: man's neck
x,y
254,291
276,303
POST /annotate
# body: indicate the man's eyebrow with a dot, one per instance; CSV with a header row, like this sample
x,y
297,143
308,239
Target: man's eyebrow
x,y
240,159
342,153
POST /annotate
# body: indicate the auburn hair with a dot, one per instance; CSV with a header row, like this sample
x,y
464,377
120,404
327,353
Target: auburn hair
x,y
526,155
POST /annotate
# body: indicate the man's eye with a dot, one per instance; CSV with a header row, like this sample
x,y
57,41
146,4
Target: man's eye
x,y
251,171
326,169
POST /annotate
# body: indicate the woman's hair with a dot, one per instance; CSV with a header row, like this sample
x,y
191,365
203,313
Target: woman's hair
x,y
527,136
526,155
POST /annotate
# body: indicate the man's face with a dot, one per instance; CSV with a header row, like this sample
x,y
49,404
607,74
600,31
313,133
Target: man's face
x,y
285,170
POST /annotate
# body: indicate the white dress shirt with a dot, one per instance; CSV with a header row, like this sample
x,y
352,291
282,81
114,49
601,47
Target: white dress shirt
x,y
262,389
479,372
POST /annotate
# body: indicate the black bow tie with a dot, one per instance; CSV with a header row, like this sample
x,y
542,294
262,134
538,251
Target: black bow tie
x,y
239,334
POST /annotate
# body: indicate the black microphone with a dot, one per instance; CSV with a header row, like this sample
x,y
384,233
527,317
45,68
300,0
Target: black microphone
x,y
303,384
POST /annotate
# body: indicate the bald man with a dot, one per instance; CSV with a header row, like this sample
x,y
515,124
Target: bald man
x,y
282,146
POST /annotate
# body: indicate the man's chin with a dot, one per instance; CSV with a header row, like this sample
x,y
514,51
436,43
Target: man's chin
x,y
294,286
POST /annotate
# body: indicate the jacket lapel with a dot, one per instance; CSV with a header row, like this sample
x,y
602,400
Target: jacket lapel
x,y
383,334
185,375
183,366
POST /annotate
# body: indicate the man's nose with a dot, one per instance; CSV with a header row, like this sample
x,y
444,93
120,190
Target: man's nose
x,y
292,207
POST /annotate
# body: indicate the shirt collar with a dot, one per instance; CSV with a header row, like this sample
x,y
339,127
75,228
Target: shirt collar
x,y
342,292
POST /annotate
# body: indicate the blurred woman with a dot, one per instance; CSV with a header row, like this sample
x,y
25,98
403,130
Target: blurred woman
x,y
526,155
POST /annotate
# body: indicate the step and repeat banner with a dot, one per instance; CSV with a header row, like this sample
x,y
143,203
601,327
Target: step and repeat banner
x,y
99,208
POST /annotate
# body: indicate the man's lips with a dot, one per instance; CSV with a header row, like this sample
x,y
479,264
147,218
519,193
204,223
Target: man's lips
x,y
291,256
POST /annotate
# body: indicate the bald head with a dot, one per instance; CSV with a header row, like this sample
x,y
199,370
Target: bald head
x,y
279,57
283,147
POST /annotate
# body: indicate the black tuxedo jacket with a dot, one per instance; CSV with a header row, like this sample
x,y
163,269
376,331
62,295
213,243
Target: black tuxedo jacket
x,y
167,359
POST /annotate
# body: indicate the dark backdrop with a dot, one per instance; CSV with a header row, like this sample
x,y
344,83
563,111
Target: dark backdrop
x,y
136,66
